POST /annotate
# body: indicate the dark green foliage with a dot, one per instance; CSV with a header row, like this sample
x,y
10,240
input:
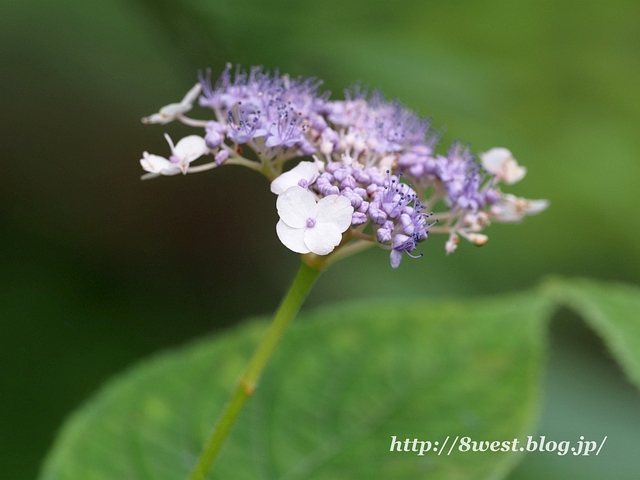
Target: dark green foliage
x,y
342,383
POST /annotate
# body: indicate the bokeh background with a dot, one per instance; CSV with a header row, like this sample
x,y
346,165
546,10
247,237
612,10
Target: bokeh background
x,y
99,269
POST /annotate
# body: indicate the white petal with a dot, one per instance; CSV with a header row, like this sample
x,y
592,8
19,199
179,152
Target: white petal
x,y
307,171
514,173
172,110
322,238
168,113
157,164
505,213
500,162
169,141
190,148
156,118
149,176
187,150
192,95
319,164
292,238
295,206
396,258
534,207
513,209
335,210
493,159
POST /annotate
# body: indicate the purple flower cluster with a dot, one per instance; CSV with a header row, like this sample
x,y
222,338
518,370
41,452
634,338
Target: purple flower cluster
x,y
269,112
393,209
376,153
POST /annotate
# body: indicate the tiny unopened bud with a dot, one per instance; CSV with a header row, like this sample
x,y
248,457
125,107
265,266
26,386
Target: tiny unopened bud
x,y
221,157
478,239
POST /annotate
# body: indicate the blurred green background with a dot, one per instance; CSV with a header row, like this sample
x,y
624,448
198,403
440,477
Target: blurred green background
x,y
99,269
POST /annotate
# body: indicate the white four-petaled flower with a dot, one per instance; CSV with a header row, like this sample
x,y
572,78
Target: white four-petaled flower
x,y
500,162
170,112
513,209
183,153
309,226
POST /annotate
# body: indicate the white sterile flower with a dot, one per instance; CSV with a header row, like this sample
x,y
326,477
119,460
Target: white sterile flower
x,y
303,175
170,112
513,209
500,162
186,151
306,226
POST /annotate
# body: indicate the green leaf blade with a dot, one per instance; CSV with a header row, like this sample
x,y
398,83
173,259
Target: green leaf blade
x,y
612,310
343,382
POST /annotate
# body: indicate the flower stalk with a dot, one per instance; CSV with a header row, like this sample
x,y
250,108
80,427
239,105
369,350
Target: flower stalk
x,y
248,382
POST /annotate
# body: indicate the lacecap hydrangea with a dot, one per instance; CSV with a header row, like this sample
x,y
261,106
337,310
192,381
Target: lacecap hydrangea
x,y
367,171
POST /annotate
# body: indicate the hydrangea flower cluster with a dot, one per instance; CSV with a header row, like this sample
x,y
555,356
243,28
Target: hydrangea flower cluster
x,y
368,170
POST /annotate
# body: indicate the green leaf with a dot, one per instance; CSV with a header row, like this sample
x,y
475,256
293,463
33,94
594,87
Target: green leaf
x,y
344,381
612,310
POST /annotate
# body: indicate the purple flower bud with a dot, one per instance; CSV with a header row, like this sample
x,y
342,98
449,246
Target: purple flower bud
x,y
332,167
215,134
348,182
221,157
376,214
213,140
325,186
306,148
389,225
358,218
417,170
377,177
383,235
355,200
318,122
361,176
342,173
407,224
360,192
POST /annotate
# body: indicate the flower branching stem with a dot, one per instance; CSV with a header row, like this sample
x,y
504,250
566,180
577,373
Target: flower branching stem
x,y
248,382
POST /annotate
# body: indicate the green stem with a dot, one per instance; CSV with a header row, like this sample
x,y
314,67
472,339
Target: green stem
x,y
247,384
